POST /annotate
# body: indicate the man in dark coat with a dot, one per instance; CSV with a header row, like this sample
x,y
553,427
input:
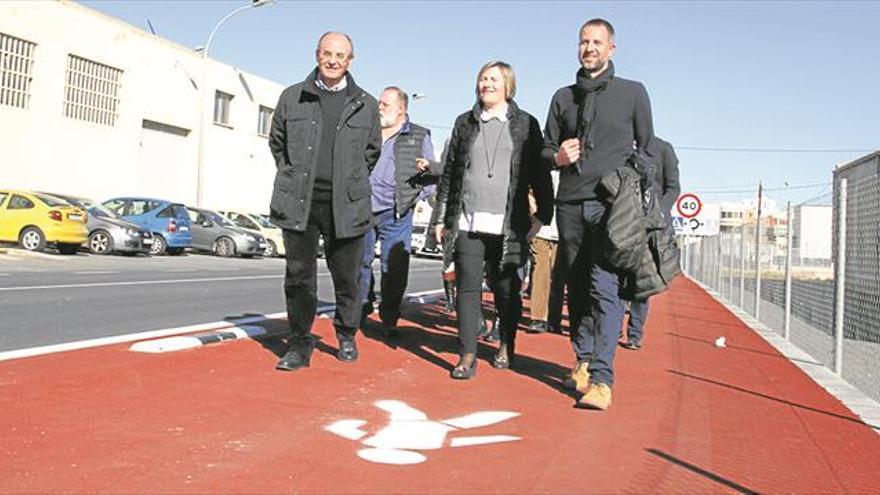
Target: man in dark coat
x,y
590,131
325,140
667,184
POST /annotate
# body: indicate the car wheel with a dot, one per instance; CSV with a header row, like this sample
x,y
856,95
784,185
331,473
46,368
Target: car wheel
x,y
224,247
271,249
158,246
32,239
100,242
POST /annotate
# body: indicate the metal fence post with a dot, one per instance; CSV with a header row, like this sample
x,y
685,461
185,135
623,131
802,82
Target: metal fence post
x,y
742,268
840,279
758,256
719,262
786,322
730,265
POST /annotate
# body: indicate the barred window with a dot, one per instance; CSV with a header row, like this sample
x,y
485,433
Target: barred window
x,y
91,92
16,64
221,107
264,124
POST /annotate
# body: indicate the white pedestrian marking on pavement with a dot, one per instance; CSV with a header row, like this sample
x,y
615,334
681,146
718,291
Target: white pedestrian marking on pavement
x,y
409,430
468,441
348,428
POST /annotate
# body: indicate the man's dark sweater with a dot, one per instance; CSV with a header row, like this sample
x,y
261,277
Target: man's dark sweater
x,y
615,113
332,103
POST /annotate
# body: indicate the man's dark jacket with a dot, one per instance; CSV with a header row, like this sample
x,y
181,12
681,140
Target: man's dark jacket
x,y
667,173
607,114
526,171
294,141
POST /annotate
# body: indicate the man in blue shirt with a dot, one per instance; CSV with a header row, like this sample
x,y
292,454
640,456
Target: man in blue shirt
x,y
404,174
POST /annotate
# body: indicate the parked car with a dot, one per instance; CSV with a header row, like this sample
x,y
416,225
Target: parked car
x,y
35,220
216,233
266,219
262,226
168,221
108,232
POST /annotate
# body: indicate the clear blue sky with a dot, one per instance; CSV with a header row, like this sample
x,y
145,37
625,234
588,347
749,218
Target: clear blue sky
x,y
749,74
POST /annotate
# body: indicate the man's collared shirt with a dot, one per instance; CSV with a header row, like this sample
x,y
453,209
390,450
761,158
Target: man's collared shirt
x,y
339,86
384,179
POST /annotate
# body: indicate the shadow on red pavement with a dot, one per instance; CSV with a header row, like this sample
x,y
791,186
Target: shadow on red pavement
x,y
687,417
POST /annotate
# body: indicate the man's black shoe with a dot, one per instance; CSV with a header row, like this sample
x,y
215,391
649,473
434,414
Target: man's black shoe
x,y
297,357
537,326
554,328
632,345
348,351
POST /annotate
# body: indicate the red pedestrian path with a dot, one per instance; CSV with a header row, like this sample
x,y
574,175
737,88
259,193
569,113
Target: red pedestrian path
x,y
687,417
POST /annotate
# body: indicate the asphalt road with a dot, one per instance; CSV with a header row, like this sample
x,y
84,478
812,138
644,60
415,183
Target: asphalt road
x,y
51,299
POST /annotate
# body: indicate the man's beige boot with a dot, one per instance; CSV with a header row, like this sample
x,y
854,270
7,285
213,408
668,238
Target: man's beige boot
x,y
579,379
598,396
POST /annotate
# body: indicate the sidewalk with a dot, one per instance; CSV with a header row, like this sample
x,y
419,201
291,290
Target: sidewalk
x,y
687,417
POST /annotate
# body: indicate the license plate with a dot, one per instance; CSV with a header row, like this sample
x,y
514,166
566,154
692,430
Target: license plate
x,y
183,228
263,245
75,217
147,242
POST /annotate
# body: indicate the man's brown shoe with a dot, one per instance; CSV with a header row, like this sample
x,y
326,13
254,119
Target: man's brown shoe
x,y
598,396
579,379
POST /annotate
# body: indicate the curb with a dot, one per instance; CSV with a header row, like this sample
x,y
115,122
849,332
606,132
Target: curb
x,y
23,253
234,331
243,328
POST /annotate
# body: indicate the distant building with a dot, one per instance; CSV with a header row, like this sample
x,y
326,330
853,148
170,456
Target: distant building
x,y
92,106
811,233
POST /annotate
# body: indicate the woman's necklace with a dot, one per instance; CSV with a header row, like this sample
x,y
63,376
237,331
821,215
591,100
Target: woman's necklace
x,y
491,163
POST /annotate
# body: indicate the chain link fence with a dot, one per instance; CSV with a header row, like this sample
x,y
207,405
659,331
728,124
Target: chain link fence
x,y
814,278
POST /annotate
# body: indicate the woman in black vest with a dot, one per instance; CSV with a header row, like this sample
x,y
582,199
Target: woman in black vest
x,y
494,158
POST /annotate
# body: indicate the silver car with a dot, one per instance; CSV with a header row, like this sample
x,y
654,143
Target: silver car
x,y
216,233
108,232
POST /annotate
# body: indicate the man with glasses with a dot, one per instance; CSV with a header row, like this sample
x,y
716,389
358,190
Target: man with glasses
x,y
325,140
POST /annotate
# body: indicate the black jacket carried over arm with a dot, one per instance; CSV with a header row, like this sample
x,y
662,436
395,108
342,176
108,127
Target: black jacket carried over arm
x,y
526,171
294,141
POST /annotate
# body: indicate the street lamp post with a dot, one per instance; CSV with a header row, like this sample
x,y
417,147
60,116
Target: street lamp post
x,y
203,95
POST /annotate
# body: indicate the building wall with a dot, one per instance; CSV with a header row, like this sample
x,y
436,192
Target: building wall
x,y
42,149
812,231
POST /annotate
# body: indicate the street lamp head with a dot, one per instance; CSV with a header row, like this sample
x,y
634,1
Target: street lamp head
x,y
260,3
418,96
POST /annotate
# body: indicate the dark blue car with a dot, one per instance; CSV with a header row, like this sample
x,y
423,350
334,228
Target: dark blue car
x,y
168,221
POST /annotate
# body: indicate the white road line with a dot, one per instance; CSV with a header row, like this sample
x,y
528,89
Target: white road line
x,y
5,274
138,282
84,344
180,270
94,272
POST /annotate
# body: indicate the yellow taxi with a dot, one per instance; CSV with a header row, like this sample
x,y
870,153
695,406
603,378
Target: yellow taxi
x,y
35,220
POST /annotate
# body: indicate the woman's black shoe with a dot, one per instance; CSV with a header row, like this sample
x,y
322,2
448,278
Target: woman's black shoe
x,y
462,372
504,360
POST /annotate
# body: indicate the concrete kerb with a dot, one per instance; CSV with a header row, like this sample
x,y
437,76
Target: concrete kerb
x,y
244,328
24,253
865,407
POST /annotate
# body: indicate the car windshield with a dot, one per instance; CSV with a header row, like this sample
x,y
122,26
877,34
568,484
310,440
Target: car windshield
x,y
220,220
51,201
264,221
99,210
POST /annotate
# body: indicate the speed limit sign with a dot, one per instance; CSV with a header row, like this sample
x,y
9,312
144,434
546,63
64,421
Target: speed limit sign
x,y
688,205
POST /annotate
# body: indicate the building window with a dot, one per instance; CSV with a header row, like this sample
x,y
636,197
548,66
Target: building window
x,y
16,64
222,102
91,92
265,121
